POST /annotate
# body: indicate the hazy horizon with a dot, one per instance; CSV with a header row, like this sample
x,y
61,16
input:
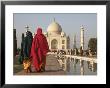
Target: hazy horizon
x,y
70,23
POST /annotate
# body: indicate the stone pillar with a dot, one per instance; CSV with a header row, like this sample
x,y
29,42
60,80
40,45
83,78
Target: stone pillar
x,y
50,40
82,37
68,42
74,42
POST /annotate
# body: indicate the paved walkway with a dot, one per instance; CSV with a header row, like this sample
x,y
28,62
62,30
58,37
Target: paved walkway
x,y
52,68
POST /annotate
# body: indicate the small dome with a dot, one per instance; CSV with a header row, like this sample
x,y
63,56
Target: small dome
x,y
63,34
54,27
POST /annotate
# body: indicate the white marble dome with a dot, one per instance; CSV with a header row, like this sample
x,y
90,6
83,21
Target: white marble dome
x,y
54,27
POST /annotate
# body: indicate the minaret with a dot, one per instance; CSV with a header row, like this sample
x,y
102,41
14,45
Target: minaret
x,y
74,42
68,42
82,37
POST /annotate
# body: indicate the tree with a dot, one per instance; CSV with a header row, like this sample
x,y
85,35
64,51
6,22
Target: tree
x,y
92,44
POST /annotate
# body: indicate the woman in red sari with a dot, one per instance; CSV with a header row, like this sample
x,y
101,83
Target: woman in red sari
x,y
39,50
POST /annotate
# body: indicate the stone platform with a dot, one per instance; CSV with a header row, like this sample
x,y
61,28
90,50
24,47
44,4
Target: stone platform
x,y
52,68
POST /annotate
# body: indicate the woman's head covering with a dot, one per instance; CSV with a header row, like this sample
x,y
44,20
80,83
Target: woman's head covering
x,y
39,31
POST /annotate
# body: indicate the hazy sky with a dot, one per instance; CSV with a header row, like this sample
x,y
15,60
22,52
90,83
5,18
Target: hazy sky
x,y
70,23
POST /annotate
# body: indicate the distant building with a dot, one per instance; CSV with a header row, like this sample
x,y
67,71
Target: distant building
x,y
56,38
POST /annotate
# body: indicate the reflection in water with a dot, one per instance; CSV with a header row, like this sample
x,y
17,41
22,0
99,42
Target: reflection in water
x,y
92,66
78,67
74,66
68,65
82,70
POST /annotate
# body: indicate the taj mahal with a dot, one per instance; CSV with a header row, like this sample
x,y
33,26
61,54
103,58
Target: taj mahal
x,y
57,39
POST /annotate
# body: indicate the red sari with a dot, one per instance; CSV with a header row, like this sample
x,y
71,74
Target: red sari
x,y
39,50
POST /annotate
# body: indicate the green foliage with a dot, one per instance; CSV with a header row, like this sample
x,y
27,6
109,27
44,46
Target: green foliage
x,y
92,44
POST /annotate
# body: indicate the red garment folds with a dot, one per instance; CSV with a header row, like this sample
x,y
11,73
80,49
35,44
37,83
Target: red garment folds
x,y
39,50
